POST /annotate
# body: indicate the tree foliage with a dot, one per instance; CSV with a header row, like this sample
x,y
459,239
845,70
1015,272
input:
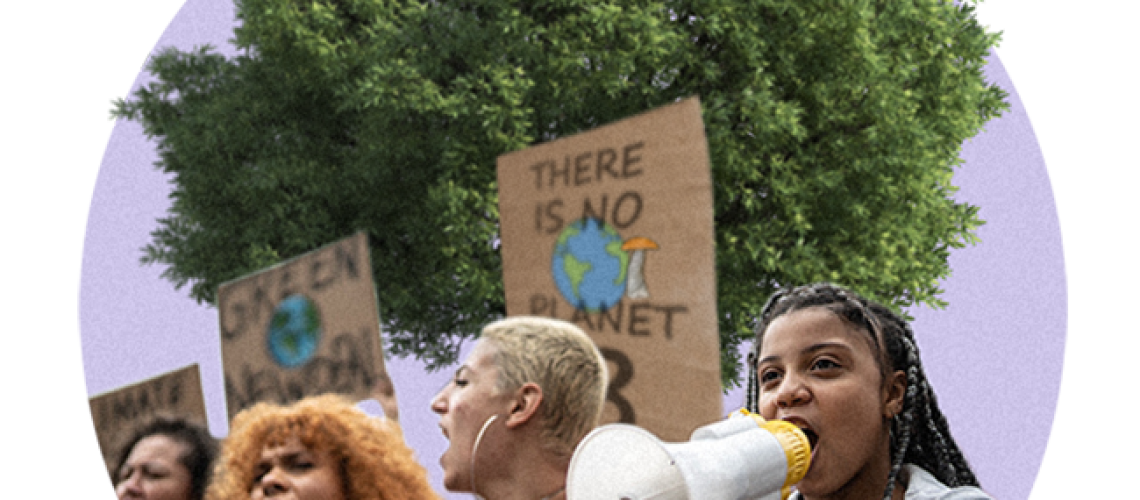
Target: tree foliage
x,y
834,129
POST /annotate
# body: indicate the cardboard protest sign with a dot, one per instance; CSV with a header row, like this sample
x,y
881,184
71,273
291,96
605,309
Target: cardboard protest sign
x,y
306,326
612,230
117,413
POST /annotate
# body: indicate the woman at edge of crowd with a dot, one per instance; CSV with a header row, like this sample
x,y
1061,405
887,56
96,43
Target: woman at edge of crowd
x,y
165,458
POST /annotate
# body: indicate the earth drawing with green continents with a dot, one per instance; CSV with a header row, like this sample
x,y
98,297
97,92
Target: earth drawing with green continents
x,y
294,331
593,267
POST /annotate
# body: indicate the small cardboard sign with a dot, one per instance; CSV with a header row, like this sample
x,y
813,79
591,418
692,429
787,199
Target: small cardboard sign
x,y
307,326
117,413
612,230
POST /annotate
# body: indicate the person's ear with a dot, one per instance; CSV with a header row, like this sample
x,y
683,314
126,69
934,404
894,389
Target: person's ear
x,y
894,392
525,405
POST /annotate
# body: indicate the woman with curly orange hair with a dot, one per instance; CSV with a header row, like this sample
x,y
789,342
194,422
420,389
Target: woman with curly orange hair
x,y
321,447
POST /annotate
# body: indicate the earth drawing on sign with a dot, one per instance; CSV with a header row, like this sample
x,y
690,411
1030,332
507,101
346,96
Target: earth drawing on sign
x,y
593,267
294,331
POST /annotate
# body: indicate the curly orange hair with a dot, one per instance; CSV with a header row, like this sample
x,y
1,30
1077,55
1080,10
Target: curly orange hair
x,y
375,464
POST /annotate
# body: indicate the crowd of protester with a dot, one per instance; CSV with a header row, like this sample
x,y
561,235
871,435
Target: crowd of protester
x,y
842,368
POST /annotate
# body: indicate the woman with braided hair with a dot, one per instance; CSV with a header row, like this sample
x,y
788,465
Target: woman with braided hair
x,y
847,371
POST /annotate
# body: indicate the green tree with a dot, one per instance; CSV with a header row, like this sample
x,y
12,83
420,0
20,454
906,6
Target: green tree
x,y
834,129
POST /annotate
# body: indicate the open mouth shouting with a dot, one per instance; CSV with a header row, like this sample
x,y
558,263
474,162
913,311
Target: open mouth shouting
x,y
806,428
813,438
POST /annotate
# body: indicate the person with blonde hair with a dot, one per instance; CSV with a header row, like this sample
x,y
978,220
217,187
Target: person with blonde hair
x,y
514,411
319,448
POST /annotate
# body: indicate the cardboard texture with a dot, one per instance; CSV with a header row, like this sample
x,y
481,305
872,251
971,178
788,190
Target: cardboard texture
x,y
306,326
117,413
642,283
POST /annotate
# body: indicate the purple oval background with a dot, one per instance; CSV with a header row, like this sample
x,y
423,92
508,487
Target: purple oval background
x,y
994,355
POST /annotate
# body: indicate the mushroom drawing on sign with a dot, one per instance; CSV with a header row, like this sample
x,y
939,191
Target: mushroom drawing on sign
x,y
635,278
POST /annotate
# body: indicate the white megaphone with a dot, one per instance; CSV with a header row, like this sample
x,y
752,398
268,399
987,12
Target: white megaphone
x,y
743,457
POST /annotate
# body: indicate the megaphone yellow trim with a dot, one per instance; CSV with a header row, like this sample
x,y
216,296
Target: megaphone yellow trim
x,y
795,443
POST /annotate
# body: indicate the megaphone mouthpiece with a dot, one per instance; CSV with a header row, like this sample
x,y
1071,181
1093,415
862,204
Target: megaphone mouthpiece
x,y
737,458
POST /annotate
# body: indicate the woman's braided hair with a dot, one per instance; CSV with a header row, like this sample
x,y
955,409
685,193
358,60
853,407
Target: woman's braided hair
x,y
920,434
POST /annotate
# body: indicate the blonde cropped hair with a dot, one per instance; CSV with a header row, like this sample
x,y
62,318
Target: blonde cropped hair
x,y
375,464
564,362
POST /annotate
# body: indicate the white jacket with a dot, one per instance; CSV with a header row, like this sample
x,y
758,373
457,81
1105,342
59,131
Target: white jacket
x,y
923,486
